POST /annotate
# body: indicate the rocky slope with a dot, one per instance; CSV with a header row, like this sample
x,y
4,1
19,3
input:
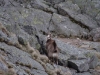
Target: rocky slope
x,y
24,25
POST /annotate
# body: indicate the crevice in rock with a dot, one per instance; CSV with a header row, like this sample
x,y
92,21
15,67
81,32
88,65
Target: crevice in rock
x,y
42,49
45,10
79,23
74,21
51,3
11,3
48,28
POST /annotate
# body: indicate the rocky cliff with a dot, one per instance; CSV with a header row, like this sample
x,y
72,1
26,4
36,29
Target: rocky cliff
x,y
74,25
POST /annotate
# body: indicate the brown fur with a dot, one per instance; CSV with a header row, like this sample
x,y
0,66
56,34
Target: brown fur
x,y
52,49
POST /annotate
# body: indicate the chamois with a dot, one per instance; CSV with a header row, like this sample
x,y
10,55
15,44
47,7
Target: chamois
x,y
52,49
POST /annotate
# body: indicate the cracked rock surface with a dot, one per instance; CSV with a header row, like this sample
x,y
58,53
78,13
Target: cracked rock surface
x,y
74,25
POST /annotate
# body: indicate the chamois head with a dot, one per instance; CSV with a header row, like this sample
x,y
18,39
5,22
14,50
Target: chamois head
x,y
49,36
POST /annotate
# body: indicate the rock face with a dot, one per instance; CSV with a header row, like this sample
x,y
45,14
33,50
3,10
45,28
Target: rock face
x,y
18,57
80,65
85,73
53,2
89,7
94,34
93,62
24,25
67,27
3,66
84,20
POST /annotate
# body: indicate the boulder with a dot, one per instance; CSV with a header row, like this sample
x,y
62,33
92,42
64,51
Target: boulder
x,y
84,73
98,18
64,26
21,72
68,51
63,59
70,5
63,70
5,38
94,72
3,65
93,62
82,19
49,66
42,5
92,8
31,30
94,34
90,45
53,2
22,41
79,65
23,59
2,35
2,2
35,19
73,71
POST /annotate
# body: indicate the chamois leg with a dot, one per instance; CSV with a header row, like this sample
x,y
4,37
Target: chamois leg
x,y
51,60
56,61
55,58
50,57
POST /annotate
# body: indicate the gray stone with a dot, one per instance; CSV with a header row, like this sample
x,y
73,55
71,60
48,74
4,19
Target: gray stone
x,y
94,34
91,45
13,38
21,72
85,20
38,4
42,41
2,2
37,18
73,71
93,62
78,57
5,38
38,72
68,52
98,18
94,72
84,73
69,4
42,5
21,1
22,32
49,66
22,41
69,49
63,70
63,59
17,56
2,35
31,30
79,65
3,66
53,2
89,7
66,27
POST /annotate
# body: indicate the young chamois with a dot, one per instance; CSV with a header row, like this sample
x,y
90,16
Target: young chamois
x,y
52,49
